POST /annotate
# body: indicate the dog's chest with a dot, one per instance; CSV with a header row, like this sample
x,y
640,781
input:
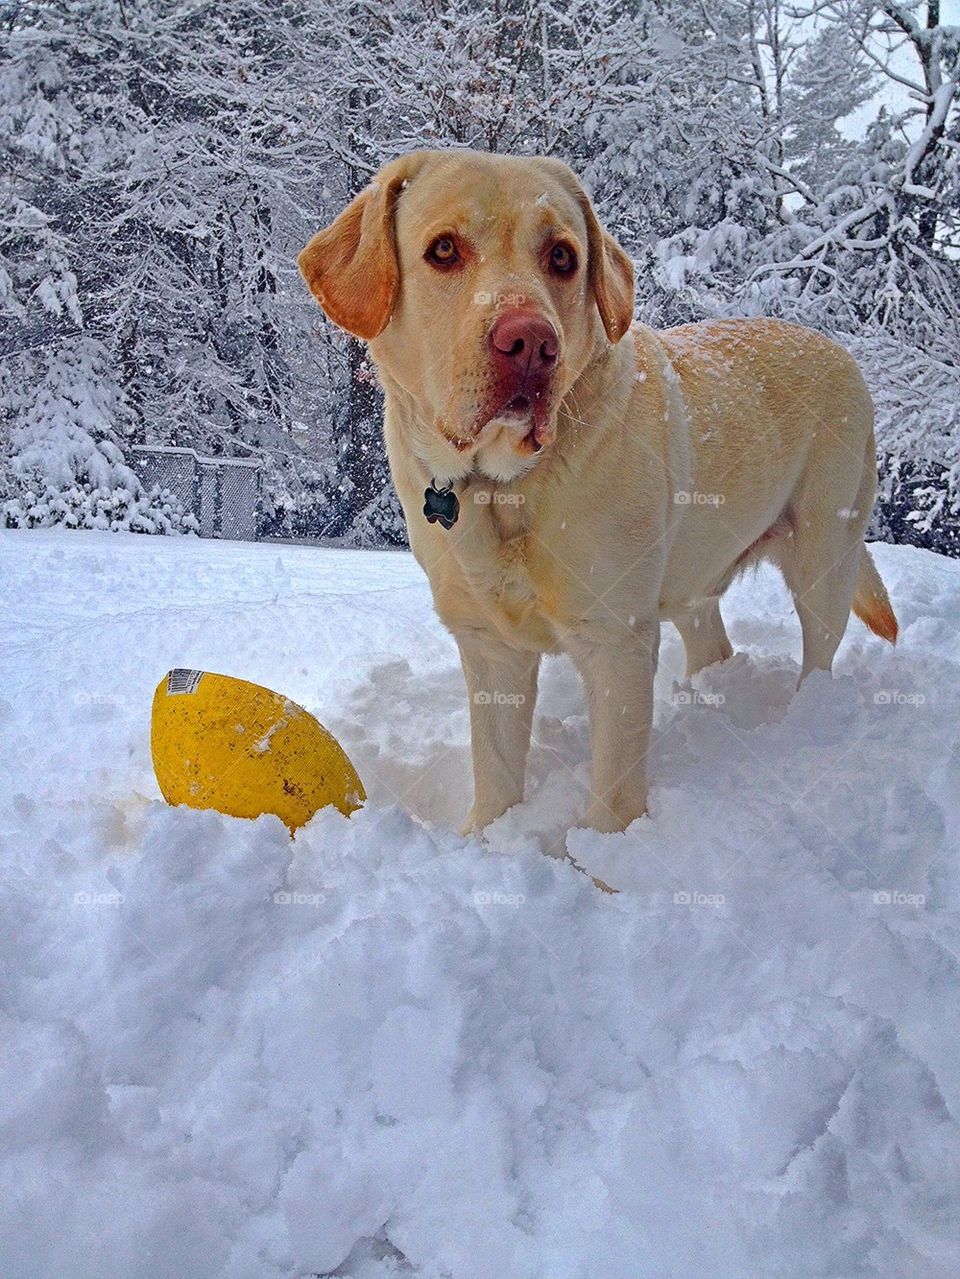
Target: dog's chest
x,y
517,595
510,576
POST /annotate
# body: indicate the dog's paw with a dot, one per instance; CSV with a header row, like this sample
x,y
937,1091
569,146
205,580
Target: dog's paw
x,y
480,817
476,822
612,815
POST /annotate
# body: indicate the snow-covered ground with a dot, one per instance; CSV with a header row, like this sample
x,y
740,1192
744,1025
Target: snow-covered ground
x,y
386,1050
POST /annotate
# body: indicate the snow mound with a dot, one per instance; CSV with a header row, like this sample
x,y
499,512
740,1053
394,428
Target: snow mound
x,y
382,1049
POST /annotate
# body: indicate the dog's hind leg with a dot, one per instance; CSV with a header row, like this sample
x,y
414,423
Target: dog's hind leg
x,y
703,633
821,557
822,595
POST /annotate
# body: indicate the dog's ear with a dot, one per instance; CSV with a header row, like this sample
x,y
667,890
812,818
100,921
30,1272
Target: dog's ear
x,y
609,269
351,266
611,275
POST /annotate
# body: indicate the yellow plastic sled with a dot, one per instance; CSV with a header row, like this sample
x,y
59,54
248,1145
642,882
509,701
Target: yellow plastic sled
x,y
223,743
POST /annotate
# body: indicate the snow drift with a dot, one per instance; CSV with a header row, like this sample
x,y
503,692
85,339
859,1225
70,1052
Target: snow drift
x,y
386,1050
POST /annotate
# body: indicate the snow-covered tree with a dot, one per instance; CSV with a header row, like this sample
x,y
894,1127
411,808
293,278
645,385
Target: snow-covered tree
x,y
161,165
62,413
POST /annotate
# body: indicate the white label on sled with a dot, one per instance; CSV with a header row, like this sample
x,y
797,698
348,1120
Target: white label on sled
x,y
182,681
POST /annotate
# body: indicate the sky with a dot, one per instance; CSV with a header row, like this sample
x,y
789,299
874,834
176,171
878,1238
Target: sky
x,y
896,97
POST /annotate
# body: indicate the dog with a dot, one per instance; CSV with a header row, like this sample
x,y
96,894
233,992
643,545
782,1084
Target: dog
x,y
570,478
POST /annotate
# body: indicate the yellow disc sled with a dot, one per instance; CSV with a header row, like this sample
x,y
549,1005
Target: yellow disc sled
x,y
223,743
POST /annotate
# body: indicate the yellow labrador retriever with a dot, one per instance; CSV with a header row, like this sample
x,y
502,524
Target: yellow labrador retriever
x,y
568,477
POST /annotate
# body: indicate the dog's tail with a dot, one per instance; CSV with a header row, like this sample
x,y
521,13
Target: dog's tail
x,y
871,602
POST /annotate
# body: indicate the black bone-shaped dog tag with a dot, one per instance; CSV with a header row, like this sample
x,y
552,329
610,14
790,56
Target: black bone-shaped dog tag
x,y
441,505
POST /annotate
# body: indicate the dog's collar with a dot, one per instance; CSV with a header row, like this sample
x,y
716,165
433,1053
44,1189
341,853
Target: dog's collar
x,y
441,499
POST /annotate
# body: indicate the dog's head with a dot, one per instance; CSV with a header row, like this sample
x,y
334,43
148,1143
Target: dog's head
x,y
484,285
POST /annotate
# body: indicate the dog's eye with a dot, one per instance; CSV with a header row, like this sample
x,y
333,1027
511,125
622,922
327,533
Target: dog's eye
x,y
563,260
443,251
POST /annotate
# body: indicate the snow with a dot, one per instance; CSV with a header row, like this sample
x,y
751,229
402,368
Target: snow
x,y
384,1049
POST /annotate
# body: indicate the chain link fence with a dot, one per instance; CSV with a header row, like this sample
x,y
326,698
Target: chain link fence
x,y
222,493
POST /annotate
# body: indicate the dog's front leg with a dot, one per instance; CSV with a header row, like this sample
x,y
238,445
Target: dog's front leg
x,y
617,668
502,686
